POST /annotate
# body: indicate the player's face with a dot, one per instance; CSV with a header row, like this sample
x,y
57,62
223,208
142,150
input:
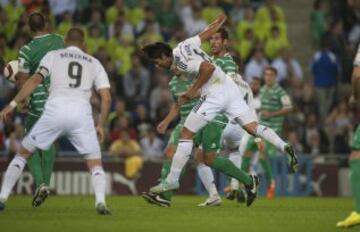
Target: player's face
x,y
269,77
217,44
163,62
255,86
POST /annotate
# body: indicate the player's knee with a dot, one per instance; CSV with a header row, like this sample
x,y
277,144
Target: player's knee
x,y
169,152
199,157
209,158
251,128
355,154
25,153
186,133
92,163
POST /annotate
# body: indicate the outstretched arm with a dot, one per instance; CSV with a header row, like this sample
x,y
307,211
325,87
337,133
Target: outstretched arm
x,y
29,86
205,71
105,108
164,124
212,27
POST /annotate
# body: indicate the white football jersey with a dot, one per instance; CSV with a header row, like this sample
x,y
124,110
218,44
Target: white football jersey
x,y
245,90
188,57
73,73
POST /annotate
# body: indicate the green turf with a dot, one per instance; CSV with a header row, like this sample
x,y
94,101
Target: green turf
x,y
133,214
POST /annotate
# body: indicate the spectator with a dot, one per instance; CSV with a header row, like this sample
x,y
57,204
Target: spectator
x,y
95,40
294,140
119,112
13,142
248,23
122,126
97,20
263,17
274,43
149,18
121,28
136,82
196,24
211,11
256,65
65,24
141,119
325,71
59,7
237,13
152,146
289,69
340,127
114,11
167,18
318,21
314,137
246,45
129,150
156,94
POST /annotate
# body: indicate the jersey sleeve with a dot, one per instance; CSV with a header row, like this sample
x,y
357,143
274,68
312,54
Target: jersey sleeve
x,y
101,80
285,100
24,60
194,41
44,68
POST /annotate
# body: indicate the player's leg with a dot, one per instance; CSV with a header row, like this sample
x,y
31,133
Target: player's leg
x,y
12,174
354,160
269,135
206,175
98,180
84,139
246,159
46,160
264,160
223,164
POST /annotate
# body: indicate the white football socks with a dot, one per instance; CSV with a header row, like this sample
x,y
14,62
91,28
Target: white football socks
x,y
235,157
98,181
269,135
12,174
207,178
180,158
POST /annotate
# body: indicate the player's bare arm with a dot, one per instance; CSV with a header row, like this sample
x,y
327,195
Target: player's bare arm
x,y
105,97
282,112
26,90
164,124
212,27
205,72
355,83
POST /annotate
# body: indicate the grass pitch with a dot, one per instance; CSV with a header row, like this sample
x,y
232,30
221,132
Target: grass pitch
x,y
60,214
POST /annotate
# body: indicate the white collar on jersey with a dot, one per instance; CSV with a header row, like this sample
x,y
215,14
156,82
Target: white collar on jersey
x,y
41,36
74,48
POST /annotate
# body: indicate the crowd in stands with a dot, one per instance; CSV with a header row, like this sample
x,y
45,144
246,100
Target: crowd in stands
x,y
116,29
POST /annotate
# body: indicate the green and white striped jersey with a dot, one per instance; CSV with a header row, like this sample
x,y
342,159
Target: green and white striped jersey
x,y
30,56
274,99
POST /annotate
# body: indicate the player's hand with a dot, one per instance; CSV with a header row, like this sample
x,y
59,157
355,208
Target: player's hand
x,y
22,107
100,133
266,114
222,17
6,112
260,145
352,102
162,127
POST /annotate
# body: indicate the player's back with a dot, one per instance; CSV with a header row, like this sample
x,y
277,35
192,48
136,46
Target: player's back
x,y
37,48
73,73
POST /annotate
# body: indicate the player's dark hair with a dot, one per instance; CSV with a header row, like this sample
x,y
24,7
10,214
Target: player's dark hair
x,y
156,50
223,32
75,34
37,22
272,69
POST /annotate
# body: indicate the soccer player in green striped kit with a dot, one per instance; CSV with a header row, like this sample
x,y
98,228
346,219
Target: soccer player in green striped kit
x,y
41,162
354,160
275,104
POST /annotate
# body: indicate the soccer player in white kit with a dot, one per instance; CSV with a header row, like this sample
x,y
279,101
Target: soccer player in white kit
x,y
219,94
73,73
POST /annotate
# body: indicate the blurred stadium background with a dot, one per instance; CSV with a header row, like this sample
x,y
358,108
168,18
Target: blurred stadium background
x,y
290,35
